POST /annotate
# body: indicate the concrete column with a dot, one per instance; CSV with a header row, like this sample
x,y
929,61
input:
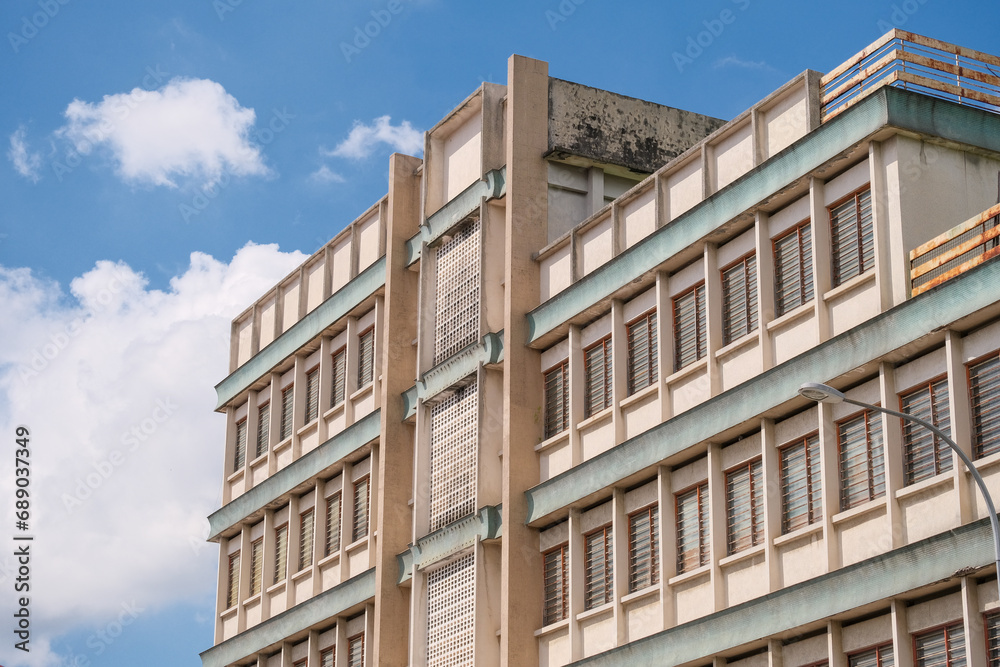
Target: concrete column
x,y
619,551
716,522
961,422
619,366
891,284
830,472
392,511
351,366
765,288
975,635
771,463
662,201
713,316
892,453
774,654
575,393
835,644
902,645
667,546
577,560
664,343
821,258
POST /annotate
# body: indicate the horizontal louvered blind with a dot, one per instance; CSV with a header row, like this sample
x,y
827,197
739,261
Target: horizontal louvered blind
x,y
556,584
801,484
307,525
263,429
256,565
862,468
793,269
984,390
944,647
240,456
312,395
642,349
692,529
739,299
880,656
557,399
280,552
366,357
690,342
287,402
598,377
356,651
744,507
359,526
332,524
338,377
853,237
992,622
643,548
327,657
925,454
233,581
598,568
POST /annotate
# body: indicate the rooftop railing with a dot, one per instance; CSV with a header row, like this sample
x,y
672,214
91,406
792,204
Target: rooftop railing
x,y
906,60
956,251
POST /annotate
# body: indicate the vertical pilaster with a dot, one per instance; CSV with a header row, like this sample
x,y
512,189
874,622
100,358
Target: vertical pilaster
x,y
902,647
821,259
716,522
892,452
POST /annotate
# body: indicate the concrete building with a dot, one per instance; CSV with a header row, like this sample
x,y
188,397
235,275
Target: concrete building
x,y
538,405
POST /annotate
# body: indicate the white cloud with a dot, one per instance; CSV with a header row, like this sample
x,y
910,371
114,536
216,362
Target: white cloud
x,y
25,163
325,175
190,129
116,382
364,139
733,61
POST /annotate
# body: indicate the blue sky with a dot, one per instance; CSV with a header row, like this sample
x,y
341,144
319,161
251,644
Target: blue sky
x,y
166,162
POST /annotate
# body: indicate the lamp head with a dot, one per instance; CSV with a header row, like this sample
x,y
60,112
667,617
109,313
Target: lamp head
x,y
821,393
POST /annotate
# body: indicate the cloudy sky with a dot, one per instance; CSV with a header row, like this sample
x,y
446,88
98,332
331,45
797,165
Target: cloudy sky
x,y
167,162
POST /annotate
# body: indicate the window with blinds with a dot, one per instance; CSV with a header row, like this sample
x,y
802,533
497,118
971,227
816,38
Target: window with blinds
x,y
304,662
312,395
256,565
642,367
556,584
943,647
744,507
359,524
240,456
332,524
327,657
643,548
356,651
263,429
598,568
233,580
878,656
597,377
280,552
862,467
690,341
793,269
306,534
451,619
557,399
925,454
287,402
366,357
801,484
457,287
454,457
739,299
338,377
984,394
992,625
692,529
853,237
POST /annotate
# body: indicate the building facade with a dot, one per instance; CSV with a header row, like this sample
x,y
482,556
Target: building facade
x,y
538,405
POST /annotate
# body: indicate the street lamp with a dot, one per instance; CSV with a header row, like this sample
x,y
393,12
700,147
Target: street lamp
x,y
822,393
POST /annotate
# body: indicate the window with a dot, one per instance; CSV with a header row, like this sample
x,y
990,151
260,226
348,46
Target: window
x,y
739,299
992,623
306,528
556,584
643,550
689,327
263,429
692,528
642,352
256,565
287,401
356,651
598,568
925,454
853,237
366,357
862,469
312,395
598,377
241,445
944,647
879,656
327,657
793,269
280,552
233,581
304,662
801,484
332,524
557,399
984,390
338,376
744,507
359,527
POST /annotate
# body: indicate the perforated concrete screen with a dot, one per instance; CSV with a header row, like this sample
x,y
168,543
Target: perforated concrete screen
x,y
456,311
454,457
451,605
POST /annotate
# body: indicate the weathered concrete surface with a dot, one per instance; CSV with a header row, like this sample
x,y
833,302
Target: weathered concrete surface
x,y
613,129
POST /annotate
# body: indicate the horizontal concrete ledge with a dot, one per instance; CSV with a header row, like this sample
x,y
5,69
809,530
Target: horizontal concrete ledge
x,y
888,107
339,304
351,439
326,605
879,578
486,524
870,340
494,185
488,351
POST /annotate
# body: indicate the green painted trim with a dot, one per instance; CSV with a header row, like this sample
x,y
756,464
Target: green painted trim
x,y
324,606
870,340
444,542
488,351
340,303
312,463
880,578
493,185
888,107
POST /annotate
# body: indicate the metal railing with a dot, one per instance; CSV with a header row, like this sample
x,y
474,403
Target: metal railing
x,y
956,251
905,60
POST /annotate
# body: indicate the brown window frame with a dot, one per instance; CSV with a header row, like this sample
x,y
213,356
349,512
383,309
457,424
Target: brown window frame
x,y
812,483
233,580
699,339
947,629
263,441
240,453
360,530
307,540
556,399
864,256
703,518
598,393
333,535
286,423
643,368
644,562
985,423
734,328
598,576
256,566
874,460
366,357
790,294
918,441
555,594
312,395
735,542
280,554
338,377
